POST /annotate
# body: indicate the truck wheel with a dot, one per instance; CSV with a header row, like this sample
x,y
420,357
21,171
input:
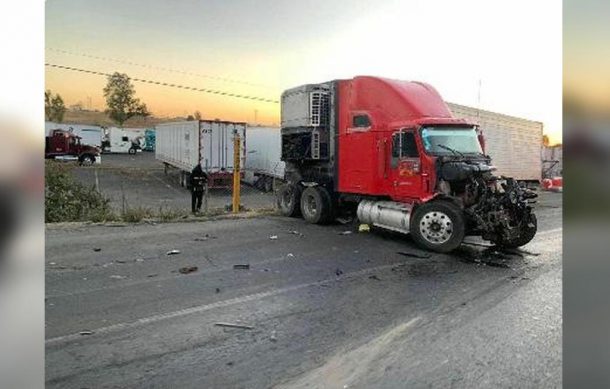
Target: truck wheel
x,y
527,234
132,151
438,226
316,205
87,160
289,199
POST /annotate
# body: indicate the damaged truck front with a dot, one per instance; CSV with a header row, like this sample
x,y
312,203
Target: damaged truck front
x,y
391,153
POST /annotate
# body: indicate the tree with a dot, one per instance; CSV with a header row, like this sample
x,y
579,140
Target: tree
x,y
545,140
121,101
197,115
54,107
190,118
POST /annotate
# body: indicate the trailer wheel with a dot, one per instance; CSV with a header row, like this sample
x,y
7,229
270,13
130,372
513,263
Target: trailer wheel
x,y
289,199
527,234
316,205
86,160
438,226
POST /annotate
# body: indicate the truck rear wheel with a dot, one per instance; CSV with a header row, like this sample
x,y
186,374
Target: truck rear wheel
x,y
86,160
316,205
289,200
438,226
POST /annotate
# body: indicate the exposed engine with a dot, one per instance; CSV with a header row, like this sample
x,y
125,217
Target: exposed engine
x,y
496,207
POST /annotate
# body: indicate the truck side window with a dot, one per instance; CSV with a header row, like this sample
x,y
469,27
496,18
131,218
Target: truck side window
x,y
124,139
404,145
361,121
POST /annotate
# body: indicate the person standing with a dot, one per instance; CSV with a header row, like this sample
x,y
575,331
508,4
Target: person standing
x,y
198,180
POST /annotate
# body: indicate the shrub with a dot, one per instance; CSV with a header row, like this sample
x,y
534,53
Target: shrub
x,y
67,200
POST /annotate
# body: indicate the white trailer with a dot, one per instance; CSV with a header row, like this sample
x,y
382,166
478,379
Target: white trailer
x,y
124,140
263,162
183,145
513,143
90,135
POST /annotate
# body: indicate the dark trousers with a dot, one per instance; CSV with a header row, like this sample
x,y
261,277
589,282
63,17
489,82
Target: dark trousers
x,y
196,199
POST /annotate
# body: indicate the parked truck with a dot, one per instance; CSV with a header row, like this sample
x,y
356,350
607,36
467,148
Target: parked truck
x,y
65,145
264,166
182,145
124,140
392,154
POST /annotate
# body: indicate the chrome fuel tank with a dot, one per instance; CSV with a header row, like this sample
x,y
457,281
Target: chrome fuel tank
x,y
385,214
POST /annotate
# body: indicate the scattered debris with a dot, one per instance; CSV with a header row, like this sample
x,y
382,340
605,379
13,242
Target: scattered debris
x,y
152,275
230,363
273,237
241,266
345,233
344,220
364,228
120,261
273,336
117,277
217,290
414,255
188,269
294,232
374,277
97,249
338,272
173,252
234,325
86,332
139,259
52,263
205,237
290,255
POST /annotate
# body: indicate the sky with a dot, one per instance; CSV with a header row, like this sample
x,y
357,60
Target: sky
x,y
500,56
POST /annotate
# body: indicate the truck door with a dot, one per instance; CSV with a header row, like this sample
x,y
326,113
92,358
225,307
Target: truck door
x,y
405,165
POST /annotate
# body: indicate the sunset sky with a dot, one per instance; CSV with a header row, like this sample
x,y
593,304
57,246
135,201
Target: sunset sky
x,y
260,48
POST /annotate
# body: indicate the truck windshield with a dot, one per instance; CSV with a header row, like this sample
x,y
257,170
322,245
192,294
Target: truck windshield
x,y
450,140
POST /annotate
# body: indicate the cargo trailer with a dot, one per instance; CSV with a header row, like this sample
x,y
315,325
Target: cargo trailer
x,y
263,165
514,144
89,135
182,145
123,140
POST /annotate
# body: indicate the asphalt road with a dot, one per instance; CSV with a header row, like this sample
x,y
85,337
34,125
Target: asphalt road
x,y
326,309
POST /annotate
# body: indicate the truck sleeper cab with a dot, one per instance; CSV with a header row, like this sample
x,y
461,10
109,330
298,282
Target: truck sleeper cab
x,y
392,153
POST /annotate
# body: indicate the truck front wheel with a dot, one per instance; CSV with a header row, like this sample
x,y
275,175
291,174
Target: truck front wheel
x,y
289,199
316,205
86,160
438,226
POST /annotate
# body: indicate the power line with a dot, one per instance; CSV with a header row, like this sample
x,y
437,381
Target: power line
x,y
204,90
223,79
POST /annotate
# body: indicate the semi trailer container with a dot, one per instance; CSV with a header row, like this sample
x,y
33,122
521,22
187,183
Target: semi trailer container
x,y
123,140
183,145
89,135
391,154
514,144
264,165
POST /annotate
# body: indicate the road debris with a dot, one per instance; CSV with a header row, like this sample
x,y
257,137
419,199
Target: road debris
x,y
364,228
86,332
120,261
97,249
139,259
241,266
173,252
295,232
290,255
217,290
188,269
414,255
374,277
338,272
234,325
117,277
205,237
344,220
152,275
273,237
345,233
273,336
52,263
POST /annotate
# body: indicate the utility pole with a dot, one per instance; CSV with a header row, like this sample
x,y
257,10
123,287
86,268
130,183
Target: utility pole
x,y
236,172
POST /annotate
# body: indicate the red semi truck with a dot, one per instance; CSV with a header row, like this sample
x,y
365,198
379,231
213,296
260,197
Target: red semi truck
x,y
391,154
64,144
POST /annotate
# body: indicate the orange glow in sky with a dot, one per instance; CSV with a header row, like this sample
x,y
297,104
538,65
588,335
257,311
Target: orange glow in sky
x,y
261,48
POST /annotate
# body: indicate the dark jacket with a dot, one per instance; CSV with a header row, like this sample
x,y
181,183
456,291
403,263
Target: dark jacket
x,y
198,179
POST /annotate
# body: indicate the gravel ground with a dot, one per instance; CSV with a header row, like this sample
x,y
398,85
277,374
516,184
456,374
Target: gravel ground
x,y
324,309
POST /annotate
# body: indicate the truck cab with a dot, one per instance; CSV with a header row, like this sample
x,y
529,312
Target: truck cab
x,y
393,151
61,144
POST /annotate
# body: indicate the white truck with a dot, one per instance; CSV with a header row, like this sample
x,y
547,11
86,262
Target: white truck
x,y
263,163
514,144
89,135
124,140
182,145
